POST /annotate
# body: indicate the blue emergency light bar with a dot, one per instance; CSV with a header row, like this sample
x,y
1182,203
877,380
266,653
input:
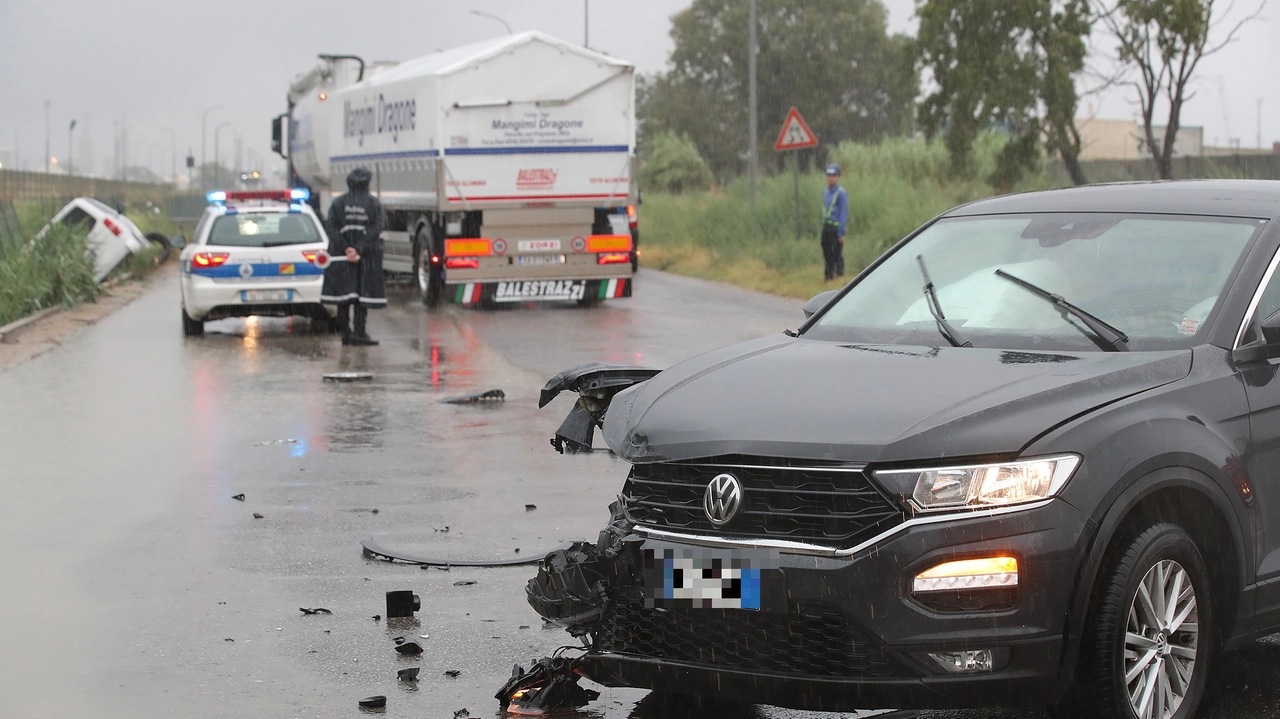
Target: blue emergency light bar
x,y
301,194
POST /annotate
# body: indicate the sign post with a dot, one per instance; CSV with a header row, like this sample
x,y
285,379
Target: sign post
x,y
795,135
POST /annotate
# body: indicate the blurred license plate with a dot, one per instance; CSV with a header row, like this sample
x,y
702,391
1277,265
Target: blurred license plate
x,y
265,295
710,579
540,260
538,245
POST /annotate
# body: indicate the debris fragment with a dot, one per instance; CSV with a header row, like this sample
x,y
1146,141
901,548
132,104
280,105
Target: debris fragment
x,y
348,376
524,626
530,507
461,714
374,551
238,497
452,673
550,685
493,395
266,442
257,515
409,675
517,550
373,511
402,603
374,702
464,582
377,617
442,531
407,646
228,639
317,610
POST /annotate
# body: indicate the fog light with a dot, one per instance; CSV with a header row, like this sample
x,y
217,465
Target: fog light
x,y
965,662
985,573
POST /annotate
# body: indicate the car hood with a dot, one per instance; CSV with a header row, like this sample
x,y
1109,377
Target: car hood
x,y
818,400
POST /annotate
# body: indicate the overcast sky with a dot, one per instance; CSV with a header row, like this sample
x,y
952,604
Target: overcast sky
x,y
151,66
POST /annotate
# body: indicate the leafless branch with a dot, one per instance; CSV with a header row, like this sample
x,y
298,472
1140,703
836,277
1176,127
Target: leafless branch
x,y
1235,29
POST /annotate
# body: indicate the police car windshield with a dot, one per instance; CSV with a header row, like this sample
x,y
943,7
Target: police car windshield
x,y
263,230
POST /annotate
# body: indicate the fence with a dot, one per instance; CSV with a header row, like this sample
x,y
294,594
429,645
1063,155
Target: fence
x,y
18,186
1254,167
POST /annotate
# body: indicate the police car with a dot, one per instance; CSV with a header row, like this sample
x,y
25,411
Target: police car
x,y
253,253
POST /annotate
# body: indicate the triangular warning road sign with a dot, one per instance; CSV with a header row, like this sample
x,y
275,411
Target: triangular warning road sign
x,y
795,134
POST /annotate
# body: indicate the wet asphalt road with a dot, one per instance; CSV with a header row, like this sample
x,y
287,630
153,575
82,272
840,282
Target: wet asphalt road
x,y
134,585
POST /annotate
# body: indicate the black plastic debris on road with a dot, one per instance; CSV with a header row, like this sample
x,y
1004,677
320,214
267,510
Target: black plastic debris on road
x,y
402,603
317,610
407,646
452,673
377,617
550,685
257,516
530,507
464,582
238,497
461,714
375,551
408,675
374,702
492,396
348,376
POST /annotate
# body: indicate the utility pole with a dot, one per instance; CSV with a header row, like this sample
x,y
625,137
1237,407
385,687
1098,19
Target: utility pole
x,y
752,120
173,155
204,120
1259,123
217,168
70,129
46,137
586,23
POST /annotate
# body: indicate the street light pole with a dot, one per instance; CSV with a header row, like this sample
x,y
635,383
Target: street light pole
x,y
753,128
173,155
217,167
586,23
204,119
46,137
493,17
70,129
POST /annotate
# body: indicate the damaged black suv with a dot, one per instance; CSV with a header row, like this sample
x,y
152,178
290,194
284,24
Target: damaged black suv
x,y
1030,457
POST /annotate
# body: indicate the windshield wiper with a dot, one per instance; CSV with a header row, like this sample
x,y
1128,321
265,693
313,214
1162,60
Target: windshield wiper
x,y
1107,337
931,299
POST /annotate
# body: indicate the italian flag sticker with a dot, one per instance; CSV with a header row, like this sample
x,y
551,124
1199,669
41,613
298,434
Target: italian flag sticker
x,y
468,294
613,288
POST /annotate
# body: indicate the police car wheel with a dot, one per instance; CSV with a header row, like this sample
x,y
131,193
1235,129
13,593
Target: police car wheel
x,y
190,327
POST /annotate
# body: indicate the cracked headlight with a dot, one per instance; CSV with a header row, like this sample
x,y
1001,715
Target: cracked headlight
x,y
983,486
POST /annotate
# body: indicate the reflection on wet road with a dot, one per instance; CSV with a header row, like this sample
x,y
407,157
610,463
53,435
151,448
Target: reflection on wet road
x,y
135,585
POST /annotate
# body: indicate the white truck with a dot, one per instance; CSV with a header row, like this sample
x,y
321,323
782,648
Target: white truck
x,y
506,167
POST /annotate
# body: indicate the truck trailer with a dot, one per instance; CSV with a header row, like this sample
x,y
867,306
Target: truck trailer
x,y
506,167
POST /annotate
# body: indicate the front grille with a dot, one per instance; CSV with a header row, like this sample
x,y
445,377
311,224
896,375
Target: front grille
x,y
824,505
810,639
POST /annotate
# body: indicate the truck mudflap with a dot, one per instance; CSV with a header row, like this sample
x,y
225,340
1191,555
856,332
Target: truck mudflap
x,y
596,384
475,293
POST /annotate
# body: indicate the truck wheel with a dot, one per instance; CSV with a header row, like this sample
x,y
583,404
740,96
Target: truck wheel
x,y
426,273
190,327
1148,649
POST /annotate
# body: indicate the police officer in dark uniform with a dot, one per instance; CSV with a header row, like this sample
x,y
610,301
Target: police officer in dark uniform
x,y
355,230
835,215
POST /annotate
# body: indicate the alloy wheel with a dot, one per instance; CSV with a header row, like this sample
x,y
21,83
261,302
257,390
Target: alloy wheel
x,y
1160,641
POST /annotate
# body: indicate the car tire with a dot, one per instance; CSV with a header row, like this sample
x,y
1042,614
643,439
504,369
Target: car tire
x,y
427,275
190,327
1131,631
156,238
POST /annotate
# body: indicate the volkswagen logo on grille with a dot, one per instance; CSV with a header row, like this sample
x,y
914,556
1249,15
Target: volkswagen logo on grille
x,y
722,499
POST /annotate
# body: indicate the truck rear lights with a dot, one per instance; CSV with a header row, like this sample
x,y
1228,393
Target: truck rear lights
x,y
481,247
614,258
462,263
632,219
115,229
210,259
609,243
968,574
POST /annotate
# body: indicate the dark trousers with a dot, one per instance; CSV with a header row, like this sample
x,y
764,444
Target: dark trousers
x,y
344,320
832,253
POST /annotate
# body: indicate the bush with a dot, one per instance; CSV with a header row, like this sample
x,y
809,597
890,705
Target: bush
x,y
674,166
40,273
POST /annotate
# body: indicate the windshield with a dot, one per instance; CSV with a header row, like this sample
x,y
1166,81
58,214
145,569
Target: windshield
x,y
1154,278
263,230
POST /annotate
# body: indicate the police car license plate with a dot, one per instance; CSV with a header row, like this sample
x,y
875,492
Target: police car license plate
x,y
711,579
540,260
265,295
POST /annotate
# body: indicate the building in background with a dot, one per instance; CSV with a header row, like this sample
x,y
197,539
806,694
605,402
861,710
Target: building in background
x,y
6,159
1123,140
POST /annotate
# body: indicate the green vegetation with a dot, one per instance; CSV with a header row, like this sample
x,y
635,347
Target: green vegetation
x,y
894,187
674,165
45,272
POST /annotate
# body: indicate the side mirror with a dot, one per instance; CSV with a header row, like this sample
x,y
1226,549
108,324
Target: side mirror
x,y
1271,328
177,242
819,301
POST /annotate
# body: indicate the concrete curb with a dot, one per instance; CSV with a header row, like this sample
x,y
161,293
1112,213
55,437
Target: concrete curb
x,y
16,325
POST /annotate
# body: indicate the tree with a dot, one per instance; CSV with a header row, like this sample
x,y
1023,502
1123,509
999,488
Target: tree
x,y
1009,64
672,164
1163,41
830,58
